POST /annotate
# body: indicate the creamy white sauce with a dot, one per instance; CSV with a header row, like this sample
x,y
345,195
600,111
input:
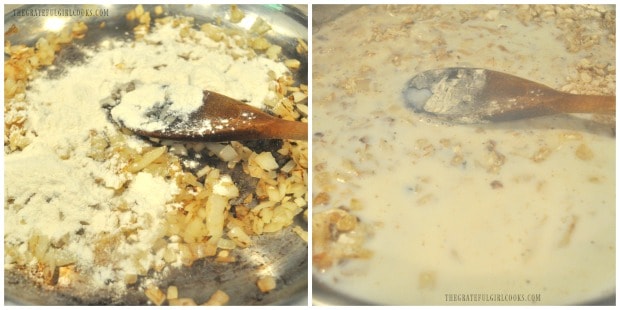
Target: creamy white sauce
x,y
520,210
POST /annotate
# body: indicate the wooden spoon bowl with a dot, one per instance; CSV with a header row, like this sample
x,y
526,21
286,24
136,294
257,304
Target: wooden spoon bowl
x,y
472,95
222,118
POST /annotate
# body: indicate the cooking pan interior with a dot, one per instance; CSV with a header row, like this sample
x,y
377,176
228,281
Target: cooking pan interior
x,y
284,253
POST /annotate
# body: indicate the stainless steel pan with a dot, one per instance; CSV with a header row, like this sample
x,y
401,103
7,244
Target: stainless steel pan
x,y
322,294
284,252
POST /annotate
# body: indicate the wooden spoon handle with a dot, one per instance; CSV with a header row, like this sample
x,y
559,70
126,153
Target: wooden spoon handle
x,y
283,129
586,104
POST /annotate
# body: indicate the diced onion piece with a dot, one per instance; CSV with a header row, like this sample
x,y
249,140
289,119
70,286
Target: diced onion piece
x,y
301,47
303,108
202,250
238,235
216,209
203,171
224,151
224,243
224,257
172,292
266,284
299,96
274,194
214,33
182,302
260,26
219,298
170,255
185,254
273,51
260,44
139,10
131,278
146,159
288,167
225,187
292,64
38,245
67,275
155,295
194,230
266,161
228,153
236,15
63,258
300,202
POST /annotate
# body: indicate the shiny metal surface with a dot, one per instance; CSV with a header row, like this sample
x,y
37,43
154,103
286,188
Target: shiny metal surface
x,y
323,14
282,254
323,295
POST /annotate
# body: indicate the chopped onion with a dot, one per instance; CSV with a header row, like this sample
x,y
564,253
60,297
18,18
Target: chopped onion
x,y
266,161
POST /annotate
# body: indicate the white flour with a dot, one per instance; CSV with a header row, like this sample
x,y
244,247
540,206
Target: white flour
x,y
449,93
55,190
187,69
154,107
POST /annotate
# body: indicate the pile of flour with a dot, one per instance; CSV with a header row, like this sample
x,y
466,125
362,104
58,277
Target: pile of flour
x,y
155,107
54,188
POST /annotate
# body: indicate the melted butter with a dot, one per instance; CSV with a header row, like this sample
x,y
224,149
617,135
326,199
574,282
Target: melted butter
x,y
516,208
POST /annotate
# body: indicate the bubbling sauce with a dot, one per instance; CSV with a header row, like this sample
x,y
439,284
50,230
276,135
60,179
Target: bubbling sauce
x,y
502,213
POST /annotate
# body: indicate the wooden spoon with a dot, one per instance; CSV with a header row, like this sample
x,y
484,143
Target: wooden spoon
x,y
221,118
471,95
